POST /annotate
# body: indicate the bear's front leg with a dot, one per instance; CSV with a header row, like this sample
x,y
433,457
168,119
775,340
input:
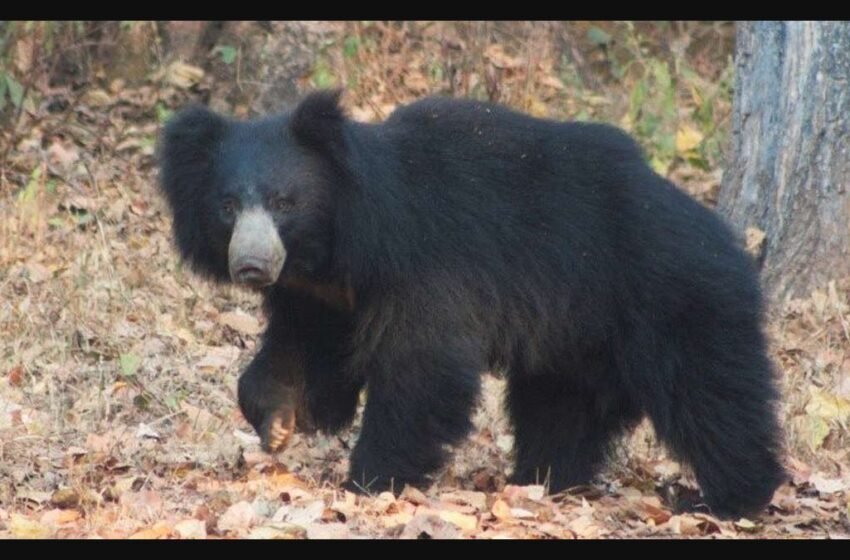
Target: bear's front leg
x,y
271,394
298,375
321,333
330,395
416,405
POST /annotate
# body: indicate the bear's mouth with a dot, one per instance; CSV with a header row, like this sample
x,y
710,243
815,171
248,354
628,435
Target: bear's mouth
x,y
256,275
256,253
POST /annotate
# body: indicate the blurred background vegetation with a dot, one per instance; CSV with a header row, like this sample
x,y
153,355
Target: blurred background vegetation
x,y
101,329
669,83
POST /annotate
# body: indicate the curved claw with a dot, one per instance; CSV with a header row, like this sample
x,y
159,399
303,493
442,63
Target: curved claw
x,y
278,430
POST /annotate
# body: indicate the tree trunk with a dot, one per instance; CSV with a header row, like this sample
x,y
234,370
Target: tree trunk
x,y
789,166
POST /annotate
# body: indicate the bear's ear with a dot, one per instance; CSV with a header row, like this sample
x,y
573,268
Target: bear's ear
x,y
185,153
318,120
192,132
185,157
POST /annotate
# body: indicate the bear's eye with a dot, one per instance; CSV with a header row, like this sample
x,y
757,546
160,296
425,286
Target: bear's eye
x,y
282,204
229,206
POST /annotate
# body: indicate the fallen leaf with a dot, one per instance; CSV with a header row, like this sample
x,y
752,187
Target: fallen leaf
x,y
813,429
16,376
183,75
62,156
284,481
200,419
144,431
116,85
65,498
709,524
35,496
785,498
485,481
38,273
240,322
497,56
598,37
301,515
828,485
684,525
666,468
363,114
382,502
143,504
238,516
687,138
501,510
191,529
10,413
465,522
536,107
746,525
97,98
477,500
139,207
24,53
160,530
395,519
596,100
326,531
514,493
415,82
429,526
24,528
535,492
828,406
521,513
129,364
651,511
843,388
584,526
631,494
218,357
278,531
552,82
59,516
414,496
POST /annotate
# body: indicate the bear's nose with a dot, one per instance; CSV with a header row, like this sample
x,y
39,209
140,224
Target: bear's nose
x,y
255,273
256,253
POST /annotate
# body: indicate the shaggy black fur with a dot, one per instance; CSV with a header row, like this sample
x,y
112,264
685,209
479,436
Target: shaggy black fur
x,y
468,237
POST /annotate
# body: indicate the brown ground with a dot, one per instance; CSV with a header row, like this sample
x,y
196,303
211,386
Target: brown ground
x,y
118,415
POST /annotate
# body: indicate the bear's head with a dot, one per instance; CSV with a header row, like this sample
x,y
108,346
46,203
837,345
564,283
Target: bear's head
x,y
254,201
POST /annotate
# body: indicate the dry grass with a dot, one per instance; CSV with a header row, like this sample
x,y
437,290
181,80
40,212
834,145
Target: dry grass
x,y
118,368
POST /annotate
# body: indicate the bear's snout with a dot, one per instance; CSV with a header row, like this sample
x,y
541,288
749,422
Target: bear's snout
x,y
256,253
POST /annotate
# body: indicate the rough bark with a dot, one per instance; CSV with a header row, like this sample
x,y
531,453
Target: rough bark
x,y
789,166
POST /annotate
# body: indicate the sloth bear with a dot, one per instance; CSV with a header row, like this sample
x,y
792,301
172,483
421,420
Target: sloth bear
x,y
455,237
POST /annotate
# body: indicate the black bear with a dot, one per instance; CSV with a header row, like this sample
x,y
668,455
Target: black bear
x,y
459,236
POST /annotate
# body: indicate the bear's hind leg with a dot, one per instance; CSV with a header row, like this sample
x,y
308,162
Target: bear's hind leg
x,y
717,414
563,429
